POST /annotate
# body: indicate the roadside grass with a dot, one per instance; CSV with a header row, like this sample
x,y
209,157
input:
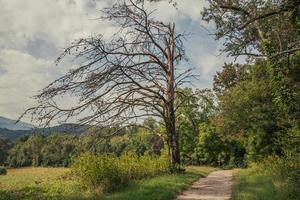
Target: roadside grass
x,y
160,188
251,184
56,183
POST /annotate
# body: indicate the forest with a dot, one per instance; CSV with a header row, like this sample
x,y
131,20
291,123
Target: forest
x,y
144,122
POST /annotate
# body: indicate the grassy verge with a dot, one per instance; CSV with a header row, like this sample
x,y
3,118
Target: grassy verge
x,y
54,183
160,188
251,184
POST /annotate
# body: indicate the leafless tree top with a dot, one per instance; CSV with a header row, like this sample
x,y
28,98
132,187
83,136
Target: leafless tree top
x,y
118,80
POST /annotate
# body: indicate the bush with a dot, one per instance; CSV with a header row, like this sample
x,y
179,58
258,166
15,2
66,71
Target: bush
x,y
108,172
3,171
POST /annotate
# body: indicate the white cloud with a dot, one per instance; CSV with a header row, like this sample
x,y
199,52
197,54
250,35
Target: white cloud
x,y
209,63
33,32
57,21
185,9
23,76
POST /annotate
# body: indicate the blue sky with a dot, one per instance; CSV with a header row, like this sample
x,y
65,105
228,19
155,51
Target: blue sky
x,y
34,32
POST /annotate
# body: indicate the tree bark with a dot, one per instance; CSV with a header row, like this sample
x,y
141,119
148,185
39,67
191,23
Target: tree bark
x,y
173,140
173,137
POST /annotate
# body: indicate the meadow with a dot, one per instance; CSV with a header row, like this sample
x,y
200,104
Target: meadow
x,y
57,183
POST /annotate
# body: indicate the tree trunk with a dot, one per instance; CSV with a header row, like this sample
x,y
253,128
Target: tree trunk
x,y
173,137
173,141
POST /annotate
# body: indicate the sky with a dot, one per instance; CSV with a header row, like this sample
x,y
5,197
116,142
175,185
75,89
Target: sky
x,y
33,33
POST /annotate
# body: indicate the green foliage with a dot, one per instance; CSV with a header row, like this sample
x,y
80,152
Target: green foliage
x,y
141,140
94,171
26,151
253,28
260,109
139,143
37,150
5,146
3,171
215,150
291,141
58,150
285,80
196,107
108,171
229,77
210,147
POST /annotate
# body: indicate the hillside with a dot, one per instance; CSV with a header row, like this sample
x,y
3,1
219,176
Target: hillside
x,y
9,124
12,131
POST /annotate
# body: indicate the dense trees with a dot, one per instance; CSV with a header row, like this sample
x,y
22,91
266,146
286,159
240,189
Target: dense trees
x,y
196,107
258,101
5,145
59,149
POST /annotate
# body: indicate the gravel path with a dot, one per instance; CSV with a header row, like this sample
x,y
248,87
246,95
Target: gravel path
x,y
216,186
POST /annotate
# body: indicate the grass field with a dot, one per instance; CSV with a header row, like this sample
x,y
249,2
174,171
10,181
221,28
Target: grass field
x,y
55,183
38,183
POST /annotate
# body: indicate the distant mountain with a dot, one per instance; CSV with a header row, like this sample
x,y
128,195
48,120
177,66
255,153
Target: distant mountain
x,y
13,135
63,128
12,125
12,131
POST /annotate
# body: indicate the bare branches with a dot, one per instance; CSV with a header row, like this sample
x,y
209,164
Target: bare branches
x,y
121,80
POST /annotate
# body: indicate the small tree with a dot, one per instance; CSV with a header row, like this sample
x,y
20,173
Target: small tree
x,y
130,77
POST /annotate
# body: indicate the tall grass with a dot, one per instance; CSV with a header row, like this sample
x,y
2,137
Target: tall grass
x,y
274,178
285,174
107,172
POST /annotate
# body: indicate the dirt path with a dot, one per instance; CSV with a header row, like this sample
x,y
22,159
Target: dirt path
x,y
216,186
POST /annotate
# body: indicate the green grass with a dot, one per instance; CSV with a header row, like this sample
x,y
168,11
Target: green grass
x,y
38,183
160,188
55,183
251,184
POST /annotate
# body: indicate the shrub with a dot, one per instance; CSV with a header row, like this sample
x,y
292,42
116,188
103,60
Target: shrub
x,y
3,171
108,171
94,171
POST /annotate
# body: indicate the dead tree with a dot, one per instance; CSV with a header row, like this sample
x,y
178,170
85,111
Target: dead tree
x,y
123,80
